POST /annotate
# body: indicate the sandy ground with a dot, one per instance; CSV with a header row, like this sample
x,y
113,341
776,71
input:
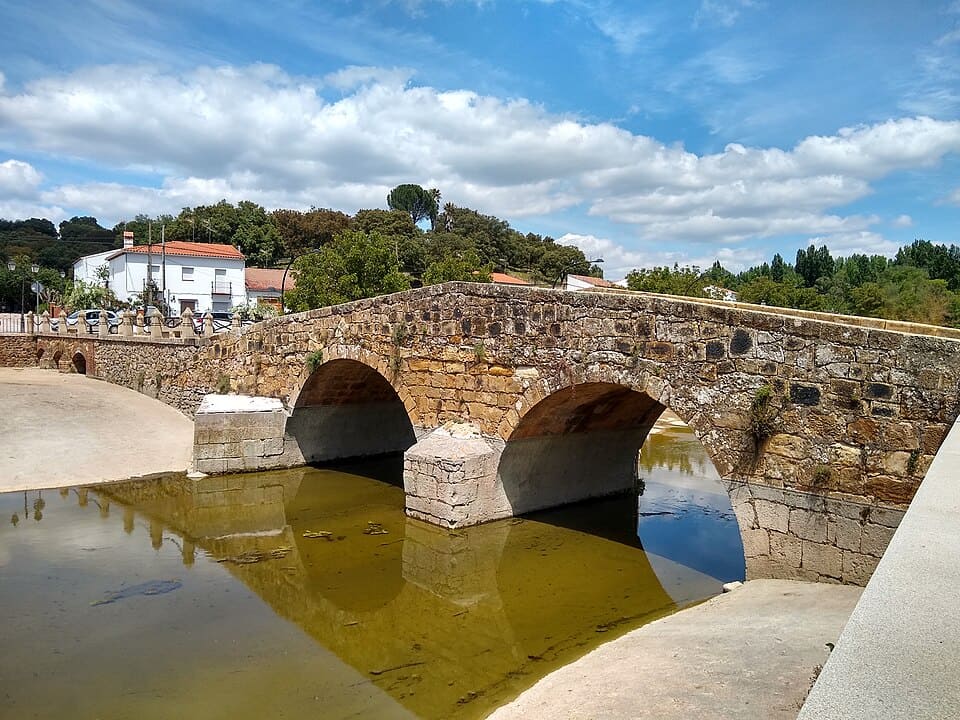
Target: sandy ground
x,y
58,429
749,655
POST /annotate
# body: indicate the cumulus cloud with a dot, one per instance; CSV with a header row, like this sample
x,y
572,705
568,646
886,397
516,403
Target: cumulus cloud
x,y
19,179
902,221
343,141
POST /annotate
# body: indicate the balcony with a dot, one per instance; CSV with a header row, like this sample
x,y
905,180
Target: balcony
x,y
220,287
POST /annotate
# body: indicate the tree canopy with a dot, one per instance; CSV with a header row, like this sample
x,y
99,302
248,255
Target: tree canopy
x,y
415,200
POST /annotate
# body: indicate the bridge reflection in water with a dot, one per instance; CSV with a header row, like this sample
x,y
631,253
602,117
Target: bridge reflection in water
x,y
408,619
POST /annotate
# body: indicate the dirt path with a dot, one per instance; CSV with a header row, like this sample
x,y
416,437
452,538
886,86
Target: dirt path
x,y
748,655
58,429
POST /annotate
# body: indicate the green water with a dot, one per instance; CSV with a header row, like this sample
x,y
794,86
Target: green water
x,y
226,607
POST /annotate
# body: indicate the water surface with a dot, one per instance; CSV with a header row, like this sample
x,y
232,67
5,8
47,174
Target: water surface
x,y
308,593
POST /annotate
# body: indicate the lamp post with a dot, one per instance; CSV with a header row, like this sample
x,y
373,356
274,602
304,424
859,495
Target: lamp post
x,y
35,286
34,269
567,268
283,282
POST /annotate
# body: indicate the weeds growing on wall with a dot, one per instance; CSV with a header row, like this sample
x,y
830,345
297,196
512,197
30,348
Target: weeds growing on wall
x,y
762,415
313,360
223,384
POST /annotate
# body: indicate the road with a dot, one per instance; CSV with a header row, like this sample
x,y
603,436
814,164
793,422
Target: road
x,y
59,429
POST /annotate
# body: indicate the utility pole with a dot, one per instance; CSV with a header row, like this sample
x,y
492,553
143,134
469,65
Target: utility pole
x,y
163,266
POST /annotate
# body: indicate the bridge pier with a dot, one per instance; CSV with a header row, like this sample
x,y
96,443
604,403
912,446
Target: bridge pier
x,y
455,477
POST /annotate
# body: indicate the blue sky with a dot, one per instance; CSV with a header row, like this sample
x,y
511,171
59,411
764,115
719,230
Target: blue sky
x,y
646,133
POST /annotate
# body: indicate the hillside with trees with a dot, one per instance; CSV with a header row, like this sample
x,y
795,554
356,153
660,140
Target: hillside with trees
x,y
339,257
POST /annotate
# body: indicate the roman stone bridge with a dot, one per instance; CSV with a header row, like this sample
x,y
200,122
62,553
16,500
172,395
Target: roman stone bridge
x,y
507,400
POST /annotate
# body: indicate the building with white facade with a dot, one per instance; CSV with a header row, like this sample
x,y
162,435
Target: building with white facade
x,y
201,276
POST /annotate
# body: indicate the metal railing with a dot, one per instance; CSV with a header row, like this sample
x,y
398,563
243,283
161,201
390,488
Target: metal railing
x,y
221,287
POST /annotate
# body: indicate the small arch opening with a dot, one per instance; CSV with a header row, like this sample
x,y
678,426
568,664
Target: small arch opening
x,y
40,352
79,363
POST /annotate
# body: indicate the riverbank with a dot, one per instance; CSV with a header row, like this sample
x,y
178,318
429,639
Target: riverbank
x,y
751,653
61,429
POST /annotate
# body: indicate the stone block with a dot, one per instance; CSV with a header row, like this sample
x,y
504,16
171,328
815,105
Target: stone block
x,y
785,549
844,533
857,567
756,543
251,448
273,446
822,559
772,516
808,525
875,539
211,466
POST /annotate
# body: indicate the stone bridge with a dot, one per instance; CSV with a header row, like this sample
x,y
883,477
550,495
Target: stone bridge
x,y
507,400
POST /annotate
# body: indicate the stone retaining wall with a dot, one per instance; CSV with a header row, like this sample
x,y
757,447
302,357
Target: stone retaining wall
x,y
17,350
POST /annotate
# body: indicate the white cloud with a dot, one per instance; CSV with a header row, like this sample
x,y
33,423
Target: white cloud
x,y
258,133
864,242
721,12
954,197
902,221
19,179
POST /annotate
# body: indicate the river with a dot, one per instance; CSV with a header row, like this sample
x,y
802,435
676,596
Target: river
x,y
308,592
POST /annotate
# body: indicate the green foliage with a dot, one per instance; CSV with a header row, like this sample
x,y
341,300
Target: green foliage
x,y
300,231
416,201
762,415
678,281
814,263
355,265
480,351
466,266
821,476
314,360
82,296
223,384
254,312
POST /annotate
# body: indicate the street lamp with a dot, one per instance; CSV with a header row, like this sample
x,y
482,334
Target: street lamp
x,y
34,269
567,268
35,286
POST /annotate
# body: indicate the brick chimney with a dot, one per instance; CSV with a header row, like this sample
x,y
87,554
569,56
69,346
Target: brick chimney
x,y
127,238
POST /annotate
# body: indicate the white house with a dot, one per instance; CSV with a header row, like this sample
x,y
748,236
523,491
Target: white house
x,y
577,283
201,276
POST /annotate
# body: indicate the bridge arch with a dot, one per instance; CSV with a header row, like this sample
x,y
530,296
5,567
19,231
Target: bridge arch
x,y
79,362
348,409
582,441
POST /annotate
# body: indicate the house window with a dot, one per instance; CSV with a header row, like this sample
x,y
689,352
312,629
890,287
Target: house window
x,y
221,274
187,274
154,269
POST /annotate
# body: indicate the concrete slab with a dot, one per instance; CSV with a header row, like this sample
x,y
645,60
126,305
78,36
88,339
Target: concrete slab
x,y
60,429
750,653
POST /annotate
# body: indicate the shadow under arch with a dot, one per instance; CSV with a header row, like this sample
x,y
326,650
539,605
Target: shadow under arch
x,y
347,409
582,442
79,363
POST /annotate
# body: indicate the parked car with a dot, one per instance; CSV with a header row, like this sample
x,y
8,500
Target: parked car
x,y
91,317
222,321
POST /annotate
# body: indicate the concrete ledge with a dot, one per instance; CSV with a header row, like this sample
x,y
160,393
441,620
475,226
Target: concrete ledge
x,y
899,654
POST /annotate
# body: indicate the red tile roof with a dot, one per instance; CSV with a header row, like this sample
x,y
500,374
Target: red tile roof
x,y
504,279
267,280
190,249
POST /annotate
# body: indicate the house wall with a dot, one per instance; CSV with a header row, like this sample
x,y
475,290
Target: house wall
x,y
128,274
85,268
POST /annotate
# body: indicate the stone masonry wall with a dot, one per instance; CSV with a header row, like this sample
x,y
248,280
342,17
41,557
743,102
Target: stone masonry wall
x,y
856,412
17,351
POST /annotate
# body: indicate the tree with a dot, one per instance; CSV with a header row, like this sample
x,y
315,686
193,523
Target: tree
x,y
85,228
465,267
813,263
299,231
777,268
416,201
678,281
355,265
